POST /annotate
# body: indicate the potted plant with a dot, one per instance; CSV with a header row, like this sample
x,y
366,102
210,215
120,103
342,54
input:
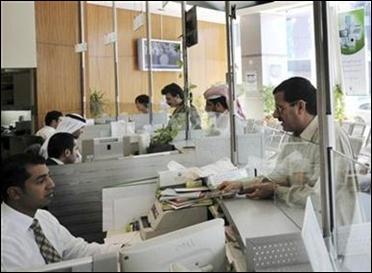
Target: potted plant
x,y
96,103
160,141
339,103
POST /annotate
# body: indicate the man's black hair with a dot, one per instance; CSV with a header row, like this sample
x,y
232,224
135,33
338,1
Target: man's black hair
x,y
173,89
298,88
58,143
14,173
52,115
143,99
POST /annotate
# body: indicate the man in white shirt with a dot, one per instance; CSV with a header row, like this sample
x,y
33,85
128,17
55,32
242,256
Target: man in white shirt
x,y
62,149
297,170
71,123
30,236
52,119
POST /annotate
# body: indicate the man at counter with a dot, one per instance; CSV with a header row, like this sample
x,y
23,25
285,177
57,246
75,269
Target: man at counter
x,y
30,236
142,103
62,149
217,100
52,119
297,168
175,98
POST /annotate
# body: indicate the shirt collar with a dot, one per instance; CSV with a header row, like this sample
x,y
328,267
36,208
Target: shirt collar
x,y
310,130
59,162
21,220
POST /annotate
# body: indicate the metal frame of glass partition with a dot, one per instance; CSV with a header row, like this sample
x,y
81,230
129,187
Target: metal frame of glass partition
x,y
324,105
324,102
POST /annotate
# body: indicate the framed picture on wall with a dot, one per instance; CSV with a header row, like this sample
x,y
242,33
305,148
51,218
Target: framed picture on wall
x,y
166,55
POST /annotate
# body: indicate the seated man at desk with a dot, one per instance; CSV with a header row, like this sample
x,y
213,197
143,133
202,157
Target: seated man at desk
x,y
295,101
30,236
52,119
142,103
71,123
175,98
62,149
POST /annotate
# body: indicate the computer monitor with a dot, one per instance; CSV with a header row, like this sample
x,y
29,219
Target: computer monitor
x,y
94,131
198,247
107,262
141,120
102,148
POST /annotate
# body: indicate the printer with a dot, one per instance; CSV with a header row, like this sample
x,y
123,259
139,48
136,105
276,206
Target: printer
x,y
160,221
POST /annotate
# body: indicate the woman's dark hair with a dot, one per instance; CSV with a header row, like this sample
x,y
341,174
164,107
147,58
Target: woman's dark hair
x,y
143,99
298,88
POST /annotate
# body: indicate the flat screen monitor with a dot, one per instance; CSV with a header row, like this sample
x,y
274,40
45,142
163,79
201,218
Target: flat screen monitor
x,y
191,27
140,120
198,247
166,55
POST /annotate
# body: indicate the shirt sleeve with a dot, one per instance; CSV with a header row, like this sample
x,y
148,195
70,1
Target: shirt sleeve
x,y
78,248
72,247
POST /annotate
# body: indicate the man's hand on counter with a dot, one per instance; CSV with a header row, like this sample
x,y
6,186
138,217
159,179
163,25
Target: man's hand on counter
x,y
227,186
260,190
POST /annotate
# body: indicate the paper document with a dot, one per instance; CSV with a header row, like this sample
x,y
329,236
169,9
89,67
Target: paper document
x,y
180,190
217,179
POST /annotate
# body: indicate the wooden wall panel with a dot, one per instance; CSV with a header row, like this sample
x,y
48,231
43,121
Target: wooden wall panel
x,y
100,57
101,77
58,73
57,22
99,23
58,66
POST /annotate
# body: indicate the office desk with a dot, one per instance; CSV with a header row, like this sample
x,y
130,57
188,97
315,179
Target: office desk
x,y
257,218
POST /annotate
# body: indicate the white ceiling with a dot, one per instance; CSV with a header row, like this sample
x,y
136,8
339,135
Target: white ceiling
x,y
210,14
171,9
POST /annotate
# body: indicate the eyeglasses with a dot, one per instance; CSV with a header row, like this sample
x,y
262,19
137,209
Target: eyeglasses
x,y
280,109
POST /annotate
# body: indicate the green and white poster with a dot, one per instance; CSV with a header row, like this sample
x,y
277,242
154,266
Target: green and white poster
x,y
353,51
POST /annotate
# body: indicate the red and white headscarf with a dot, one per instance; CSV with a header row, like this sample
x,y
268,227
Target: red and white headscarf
x,y
222,90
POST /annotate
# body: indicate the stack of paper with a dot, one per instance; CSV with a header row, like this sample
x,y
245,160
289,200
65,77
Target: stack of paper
x,y
177,198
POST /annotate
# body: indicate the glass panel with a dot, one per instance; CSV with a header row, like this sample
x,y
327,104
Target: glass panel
x,y
293,164
207,69
168,110
353,213
133,81
350,36
100,62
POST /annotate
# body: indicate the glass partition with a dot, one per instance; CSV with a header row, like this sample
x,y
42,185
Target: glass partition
x,y
131,21
294,168
100,63
352,234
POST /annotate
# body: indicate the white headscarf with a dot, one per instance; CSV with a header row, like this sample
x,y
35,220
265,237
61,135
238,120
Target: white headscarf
x,y
222,90
69,124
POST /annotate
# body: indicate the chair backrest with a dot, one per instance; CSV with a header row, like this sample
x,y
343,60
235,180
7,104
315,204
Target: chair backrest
x,y
356,144
347,126
358,129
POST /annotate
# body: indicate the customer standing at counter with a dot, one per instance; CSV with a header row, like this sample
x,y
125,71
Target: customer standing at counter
x,y
175,98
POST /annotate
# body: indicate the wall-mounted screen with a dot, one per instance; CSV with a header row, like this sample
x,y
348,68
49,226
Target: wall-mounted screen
x,y
166,55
